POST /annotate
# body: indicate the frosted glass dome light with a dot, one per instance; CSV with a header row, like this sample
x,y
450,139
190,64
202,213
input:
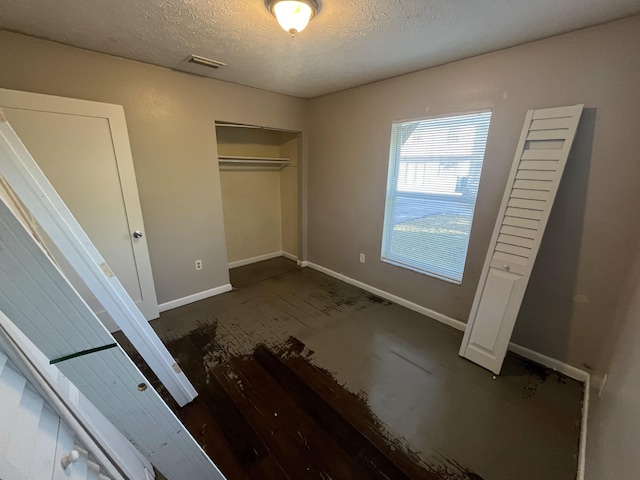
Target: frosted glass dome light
x,y
293,15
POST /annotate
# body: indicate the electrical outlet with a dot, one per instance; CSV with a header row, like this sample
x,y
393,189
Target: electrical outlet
x,y
198,264
362,258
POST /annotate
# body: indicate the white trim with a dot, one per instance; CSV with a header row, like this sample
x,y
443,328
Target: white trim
x,y
290,256
582,449
457,324
544,360
259,258
549,362
179,302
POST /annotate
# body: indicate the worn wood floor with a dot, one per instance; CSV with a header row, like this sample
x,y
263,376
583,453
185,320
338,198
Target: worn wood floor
x,y
302,376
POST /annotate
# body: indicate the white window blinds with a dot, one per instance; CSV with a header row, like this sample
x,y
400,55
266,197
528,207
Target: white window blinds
x,y
434,172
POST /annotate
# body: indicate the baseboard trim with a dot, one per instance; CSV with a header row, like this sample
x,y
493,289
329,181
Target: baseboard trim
x,y
571,372
452,322
582,449
259,258
179,302
550,362
290,256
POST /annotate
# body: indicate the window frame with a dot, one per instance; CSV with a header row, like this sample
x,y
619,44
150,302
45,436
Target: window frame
x,y
395,146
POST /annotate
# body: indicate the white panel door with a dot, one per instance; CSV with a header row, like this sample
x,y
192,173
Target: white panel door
x,y
83,149
46,308
542,153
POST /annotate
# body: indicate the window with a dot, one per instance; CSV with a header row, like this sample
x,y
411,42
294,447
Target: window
x,y
434,172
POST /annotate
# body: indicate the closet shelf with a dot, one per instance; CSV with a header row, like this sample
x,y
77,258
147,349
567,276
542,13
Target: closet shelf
x,y
229,161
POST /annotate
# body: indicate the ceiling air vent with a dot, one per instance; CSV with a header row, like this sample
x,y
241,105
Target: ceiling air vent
x,y
205,62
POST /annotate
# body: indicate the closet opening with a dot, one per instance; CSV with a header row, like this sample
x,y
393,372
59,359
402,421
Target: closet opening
x,y
260,183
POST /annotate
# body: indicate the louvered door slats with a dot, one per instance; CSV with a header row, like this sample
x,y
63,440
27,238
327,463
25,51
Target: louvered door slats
x,y
542,152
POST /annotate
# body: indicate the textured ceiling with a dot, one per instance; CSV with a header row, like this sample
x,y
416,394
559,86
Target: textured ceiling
x,y
349,43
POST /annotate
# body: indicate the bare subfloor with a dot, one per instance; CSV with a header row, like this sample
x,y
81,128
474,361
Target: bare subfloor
x,y
403,367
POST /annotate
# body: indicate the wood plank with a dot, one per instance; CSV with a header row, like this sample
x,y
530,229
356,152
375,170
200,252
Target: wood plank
x,y
245,443
267,468
563,123
532,185
346,435
521,222
524,213
355,411
518,232
199,420
513,250
304,448
516,241
551,165
535,175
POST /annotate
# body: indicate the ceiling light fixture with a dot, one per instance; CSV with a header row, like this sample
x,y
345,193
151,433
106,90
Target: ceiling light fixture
x,y
293,15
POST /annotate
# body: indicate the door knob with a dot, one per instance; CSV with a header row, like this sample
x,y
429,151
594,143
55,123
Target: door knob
x,y
137,234
507,268
73,457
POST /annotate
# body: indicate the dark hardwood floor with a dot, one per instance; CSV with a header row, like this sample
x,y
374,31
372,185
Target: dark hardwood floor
x,y
274,415
302,376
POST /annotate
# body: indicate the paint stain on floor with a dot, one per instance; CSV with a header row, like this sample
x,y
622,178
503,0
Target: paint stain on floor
x,y
275,414
418,410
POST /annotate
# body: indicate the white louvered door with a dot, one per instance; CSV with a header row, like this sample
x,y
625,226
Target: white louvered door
x,y
33,438
542,153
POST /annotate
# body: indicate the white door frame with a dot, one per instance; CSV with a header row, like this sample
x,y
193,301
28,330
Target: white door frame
x,y
114,114
43,202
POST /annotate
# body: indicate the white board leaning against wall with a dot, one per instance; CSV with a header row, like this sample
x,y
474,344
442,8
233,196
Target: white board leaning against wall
x,y
541,155
39,300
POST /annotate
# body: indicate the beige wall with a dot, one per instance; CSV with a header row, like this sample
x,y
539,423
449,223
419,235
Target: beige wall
x,y
289,197
260,205
170,117
251,204
613,417
594,225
